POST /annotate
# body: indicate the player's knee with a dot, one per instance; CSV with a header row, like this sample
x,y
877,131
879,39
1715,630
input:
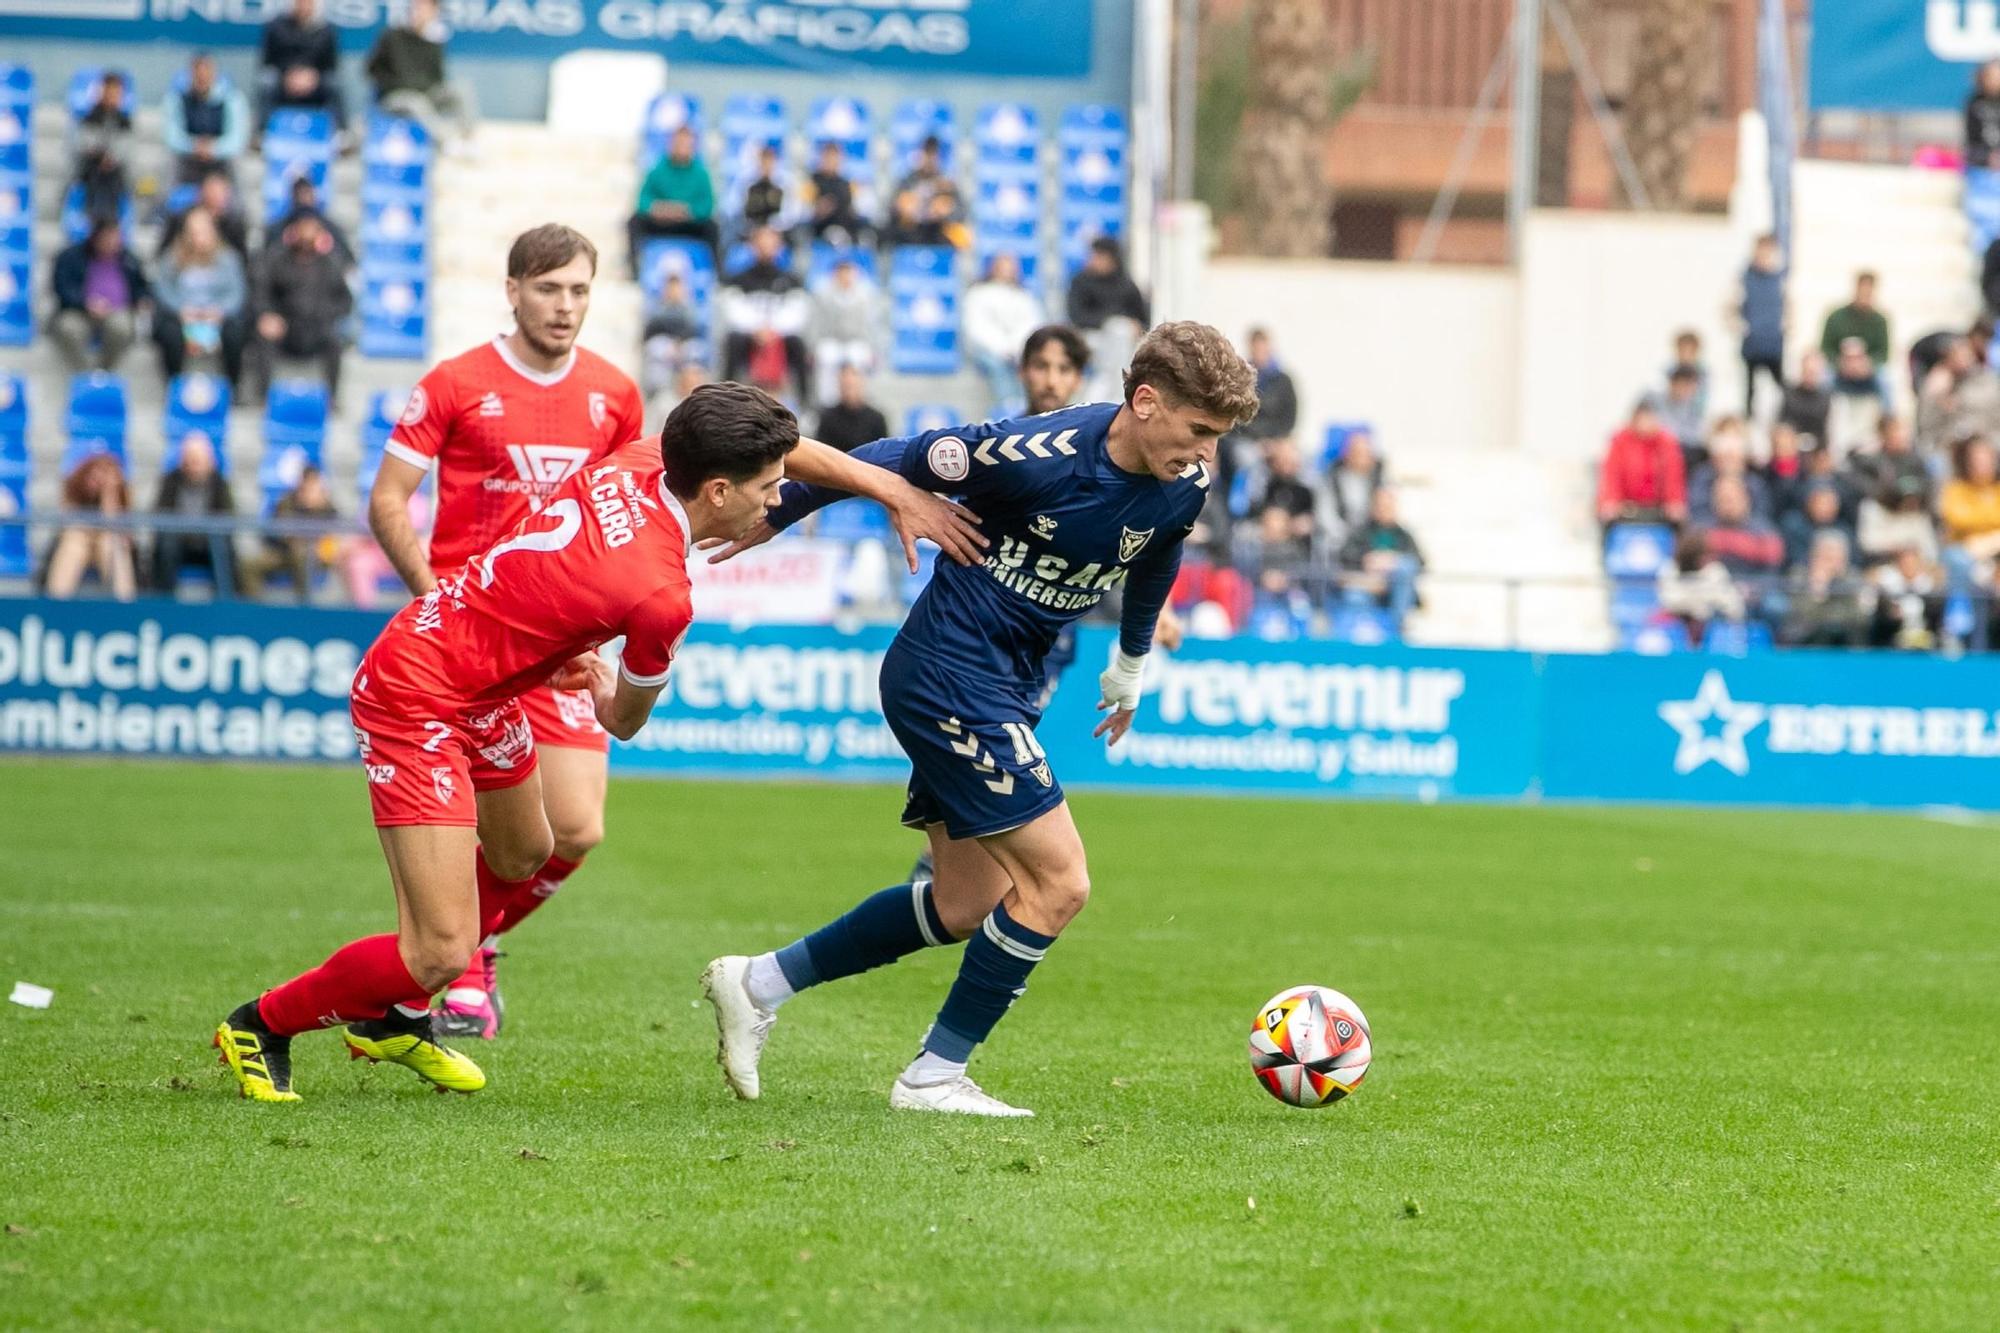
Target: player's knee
x,y
1059,896
520,857
438,958
575,838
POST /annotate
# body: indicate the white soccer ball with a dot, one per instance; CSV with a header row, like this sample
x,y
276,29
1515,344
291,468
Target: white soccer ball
x,y
1309,1046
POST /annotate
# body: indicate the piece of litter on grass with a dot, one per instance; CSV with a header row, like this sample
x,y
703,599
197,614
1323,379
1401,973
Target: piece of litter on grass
x,y
1252,1202
34,997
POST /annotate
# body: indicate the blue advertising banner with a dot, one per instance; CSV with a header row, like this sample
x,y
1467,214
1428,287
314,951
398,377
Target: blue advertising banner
x,y
1897,55
1798,728
991,38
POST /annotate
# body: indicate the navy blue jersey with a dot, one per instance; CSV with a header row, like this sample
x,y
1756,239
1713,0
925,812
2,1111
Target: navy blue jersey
x,y
1065,525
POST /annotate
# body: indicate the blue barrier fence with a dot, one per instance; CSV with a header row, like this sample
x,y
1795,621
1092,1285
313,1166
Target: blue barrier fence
x,y
1797,728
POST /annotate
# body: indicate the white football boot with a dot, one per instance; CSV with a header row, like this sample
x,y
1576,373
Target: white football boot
x,y
958,1096
741,1026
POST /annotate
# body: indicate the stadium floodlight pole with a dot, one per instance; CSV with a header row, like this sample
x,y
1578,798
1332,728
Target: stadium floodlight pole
x,y
1527,126
1187,30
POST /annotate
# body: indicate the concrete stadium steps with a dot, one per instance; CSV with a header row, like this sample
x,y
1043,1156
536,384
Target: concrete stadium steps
x,y
1490,520
1904,223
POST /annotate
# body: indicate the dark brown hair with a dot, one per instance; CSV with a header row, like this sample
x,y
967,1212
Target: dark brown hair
x,y
84,487
724,430
1073,345
1193,365
545,248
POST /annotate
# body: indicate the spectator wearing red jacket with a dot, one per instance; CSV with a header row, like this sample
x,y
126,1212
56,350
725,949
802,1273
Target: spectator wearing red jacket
x,y
1644,478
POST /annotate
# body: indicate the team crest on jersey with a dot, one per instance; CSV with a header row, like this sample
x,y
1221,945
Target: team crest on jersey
x,y
415,406
1130,543
1043,526
491,406
599,410
442,784
948,458
1040,773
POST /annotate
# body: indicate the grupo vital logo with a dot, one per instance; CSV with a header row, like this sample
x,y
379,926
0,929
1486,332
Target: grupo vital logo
x,y
1717,728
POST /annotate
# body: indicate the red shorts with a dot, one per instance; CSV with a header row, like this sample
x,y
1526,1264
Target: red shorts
x,y
565,718
426,769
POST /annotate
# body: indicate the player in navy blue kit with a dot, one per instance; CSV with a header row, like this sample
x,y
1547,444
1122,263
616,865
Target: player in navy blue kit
x,y
1074,504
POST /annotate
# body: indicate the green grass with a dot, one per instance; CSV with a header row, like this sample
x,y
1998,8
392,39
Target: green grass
x,y
1665,1069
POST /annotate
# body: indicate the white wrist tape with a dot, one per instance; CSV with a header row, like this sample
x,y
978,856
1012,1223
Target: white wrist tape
x,y
1119,685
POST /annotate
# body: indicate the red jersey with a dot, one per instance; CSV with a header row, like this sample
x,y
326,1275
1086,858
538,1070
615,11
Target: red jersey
x,y
606,555
504,437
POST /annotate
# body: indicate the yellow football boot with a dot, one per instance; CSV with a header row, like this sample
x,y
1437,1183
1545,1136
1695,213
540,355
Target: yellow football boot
x,y
259,1058
411,1043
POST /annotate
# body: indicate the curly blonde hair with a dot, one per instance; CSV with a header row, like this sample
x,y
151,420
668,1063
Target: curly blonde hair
x,y
1196,366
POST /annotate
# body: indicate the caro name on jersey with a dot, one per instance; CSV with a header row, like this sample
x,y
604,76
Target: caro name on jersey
x,y
504,437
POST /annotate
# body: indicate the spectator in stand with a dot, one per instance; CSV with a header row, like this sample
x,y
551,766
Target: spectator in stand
x,y
217,195
1827,606
1742,541
999,314
1824,469
1896,517
1381,560
1352,484
1680,408
299,557
95,489
1808,398
846,327
850,420
677,199
1761,308
406,66
298,66
1989,278
1856,408
671,335
1960,397
100,148
1784,473
925,175
1687,357
1108,308
1858,319
304,203
1277,398
1908,601
691,376
101,294
908,225
199,295
832,212
1819,513
765,313
946,212
1982,117
194,489
1969,509
1728,459
302,301
764,193
1644,477
1279,483
1695,587
205,125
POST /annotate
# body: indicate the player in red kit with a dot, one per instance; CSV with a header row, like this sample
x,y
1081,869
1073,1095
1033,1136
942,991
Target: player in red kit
x,y
505,424
450,757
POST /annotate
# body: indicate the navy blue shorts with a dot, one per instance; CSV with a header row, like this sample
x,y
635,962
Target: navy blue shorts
x,y
975,765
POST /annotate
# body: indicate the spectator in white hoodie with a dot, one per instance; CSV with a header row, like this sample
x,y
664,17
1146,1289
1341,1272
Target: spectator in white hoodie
x,y
846,325
999,315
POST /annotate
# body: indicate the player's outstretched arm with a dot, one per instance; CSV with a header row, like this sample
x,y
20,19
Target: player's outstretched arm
x,y
389,520
1144,615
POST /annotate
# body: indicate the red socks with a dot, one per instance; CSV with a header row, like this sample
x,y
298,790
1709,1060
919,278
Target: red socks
x,y
536,892
496,896
361,981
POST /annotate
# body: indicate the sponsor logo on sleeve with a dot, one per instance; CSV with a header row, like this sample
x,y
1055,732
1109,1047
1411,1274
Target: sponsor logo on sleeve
x,y
416,407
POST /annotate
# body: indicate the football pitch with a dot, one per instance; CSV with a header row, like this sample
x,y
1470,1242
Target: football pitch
x,y
1654,1068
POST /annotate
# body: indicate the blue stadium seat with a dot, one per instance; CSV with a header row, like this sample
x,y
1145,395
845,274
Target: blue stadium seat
x,y
740,256
96,420
1007,204
825,256
930,416
1364,624
178,201
667,256
383,410
84,86
1089,125
197,402
1026,251
1093,142
1334,443
1654,638
395,158
17,216
855,520
76,221
914,121
1637,550
1726,638
17,319
923,310
17,119
666,114
15,475
294,436
749,122
296,143
1634,602
843,120
395,237
395,320
1007,132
